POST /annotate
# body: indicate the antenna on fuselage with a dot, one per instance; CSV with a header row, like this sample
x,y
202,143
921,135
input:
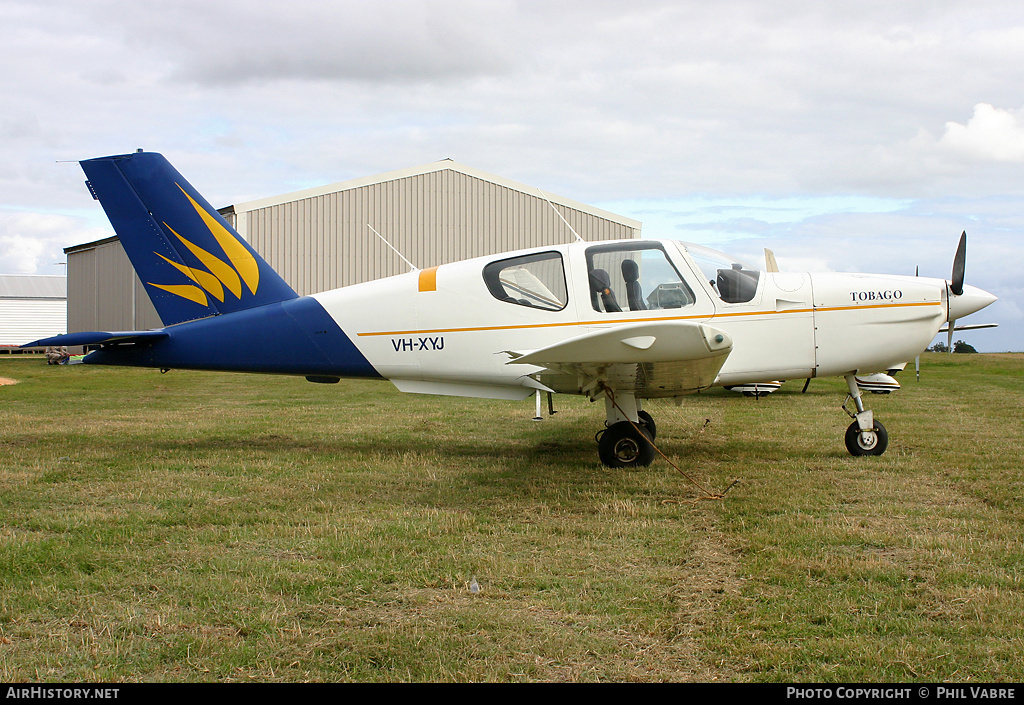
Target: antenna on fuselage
x,y
558,213
393,249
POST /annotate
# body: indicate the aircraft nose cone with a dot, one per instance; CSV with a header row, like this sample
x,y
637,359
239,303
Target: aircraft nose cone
x,y
973,299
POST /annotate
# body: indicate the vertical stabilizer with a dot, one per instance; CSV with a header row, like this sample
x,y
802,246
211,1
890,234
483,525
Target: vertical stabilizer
x,y
193,263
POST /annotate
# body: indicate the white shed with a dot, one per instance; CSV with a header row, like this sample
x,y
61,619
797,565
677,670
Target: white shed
x,y
32,306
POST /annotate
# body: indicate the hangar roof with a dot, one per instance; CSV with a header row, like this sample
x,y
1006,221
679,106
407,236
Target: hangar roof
x,y
443,165
33,286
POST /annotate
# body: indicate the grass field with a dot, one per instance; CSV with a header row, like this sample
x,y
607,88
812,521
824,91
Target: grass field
x,y
213,527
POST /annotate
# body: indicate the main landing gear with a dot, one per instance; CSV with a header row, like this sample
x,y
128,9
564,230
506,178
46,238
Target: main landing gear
x,y
866,435
626,440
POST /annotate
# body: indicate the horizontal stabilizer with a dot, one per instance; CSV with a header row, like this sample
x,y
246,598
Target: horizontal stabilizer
x,y
99,338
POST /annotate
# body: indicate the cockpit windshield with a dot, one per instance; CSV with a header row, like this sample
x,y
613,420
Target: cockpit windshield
x,y
734,281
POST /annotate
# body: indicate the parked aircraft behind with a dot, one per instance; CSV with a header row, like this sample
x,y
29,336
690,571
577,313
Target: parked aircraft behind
x,y
618,321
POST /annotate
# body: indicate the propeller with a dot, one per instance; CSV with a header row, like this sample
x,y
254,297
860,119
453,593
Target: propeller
x,y
961,300
956,284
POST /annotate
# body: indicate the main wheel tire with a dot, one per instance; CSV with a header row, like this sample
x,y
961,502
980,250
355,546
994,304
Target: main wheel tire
x,y
622,446
647,423
873,442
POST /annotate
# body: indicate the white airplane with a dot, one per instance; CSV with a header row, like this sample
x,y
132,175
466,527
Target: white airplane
x,y
617,321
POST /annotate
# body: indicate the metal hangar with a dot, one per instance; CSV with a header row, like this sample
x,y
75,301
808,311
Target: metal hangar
x,y
332,236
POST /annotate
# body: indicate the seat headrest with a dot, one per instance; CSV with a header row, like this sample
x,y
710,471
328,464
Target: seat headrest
x,y
599,280
630,270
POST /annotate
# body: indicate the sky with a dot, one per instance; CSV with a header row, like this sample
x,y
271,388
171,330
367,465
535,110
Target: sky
x,y
844,136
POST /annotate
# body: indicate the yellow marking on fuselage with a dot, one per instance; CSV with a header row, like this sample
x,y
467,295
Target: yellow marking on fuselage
x,y
563,324
428,279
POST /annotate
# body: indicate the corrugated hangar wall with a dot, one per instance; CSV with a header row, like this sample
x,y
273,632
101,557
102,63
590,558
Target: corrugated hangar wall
x,y
320,239
104,292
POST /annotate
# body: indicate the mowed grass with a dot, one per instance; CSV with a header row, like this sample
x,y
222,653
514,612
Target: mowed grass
x,y
211,527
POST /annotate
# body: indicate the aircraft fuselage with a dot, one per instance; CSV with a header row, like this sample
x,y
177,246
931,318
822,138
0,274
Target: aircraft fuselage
x,y
442,330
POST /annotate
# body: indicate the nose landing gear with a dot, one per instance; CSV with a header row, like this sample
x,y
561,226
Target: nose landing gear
x,y
866,435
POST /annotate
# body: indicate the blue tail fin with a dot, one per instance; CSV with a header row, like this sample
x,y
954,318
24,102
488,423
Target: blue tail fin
x,y
193,263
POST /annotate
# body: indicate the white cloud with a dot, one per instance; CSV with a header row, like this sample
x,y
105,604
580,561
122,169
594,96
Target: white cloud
x,y
228,43
991,134
33,243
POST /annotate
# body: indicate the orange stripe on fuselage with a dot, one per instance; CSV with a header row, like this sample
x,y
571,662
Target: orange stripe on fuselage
x,y
641,320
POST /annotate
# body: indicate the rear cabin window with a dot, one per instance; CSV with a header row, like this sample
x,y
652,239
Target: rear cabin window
x,y
635,277
537,281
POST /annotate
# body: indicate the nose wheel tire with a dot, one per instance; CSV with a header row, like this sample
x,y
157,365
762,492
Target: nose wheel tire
x,y
871,442
622,446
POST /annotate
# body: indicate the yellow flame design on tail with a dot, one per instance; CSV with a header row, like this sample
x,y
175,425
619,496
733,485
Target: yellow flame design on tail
x,y
219,275
245,264
204,279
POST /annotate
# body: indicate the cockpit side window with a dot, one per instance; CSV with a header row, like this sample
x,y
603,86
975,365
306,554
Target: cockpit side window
x,y
733,281
635,277
536,280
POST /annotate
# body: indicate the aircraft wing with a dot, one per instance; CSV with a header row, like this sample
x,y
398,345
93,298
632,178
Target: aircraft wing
x,y
99,338
653,359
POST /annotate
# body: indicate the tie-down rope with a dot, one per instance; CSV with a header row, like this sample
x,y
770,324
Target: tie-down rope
x,y
708,494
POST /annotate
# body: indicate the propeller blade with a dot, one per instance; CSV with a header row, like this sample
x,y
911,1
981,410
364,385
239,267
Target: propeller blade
x,y
957,283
